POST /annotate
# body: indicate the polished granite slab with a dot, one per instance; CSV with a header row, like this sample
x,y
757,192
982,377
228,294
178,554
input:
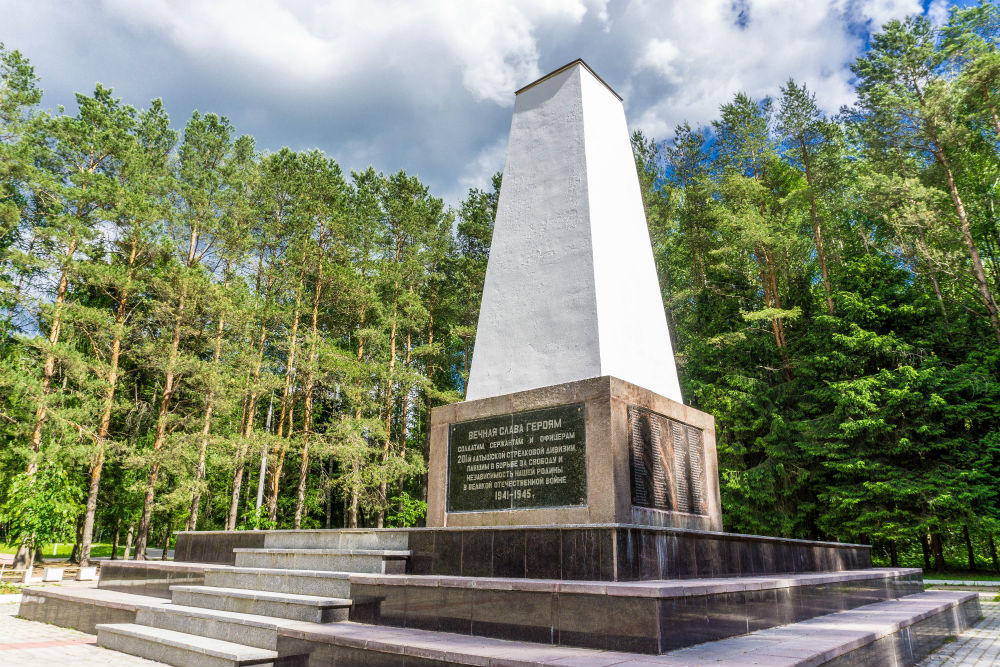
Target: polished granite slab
x,y
641,617
606,552
897,632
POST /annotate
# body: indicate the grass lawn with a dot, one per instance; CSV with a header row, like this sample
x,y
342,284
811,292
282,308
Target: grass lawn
x,y
63,550
963,574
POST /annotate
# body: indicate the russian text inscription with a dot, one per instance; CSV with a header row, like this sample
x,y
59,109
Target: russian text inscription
x,y
518,461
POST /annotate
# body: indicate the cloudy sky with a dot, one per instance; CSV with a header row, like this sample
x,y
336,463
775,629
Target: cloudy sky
x,y
429,86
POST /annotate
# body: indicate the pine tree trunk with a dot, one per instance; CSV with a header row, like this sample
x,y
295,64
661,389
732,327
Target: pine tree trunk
x,y
427,395
817,228
50,357
74,555
23,556
161,431
300,495
329,493
772,300
926,551
249,417
128,541
977,264
352,514
206,427
893,555
104,427
279,459
938,550
993,553
166,540
168,391
402,427
970,552
114,539
249,403
383,485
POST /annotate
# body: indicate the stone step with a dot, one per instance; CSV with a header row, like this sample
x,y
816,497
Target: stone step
x,y
344,538
179,648
368,561
897,632
302,582
292,606
230,626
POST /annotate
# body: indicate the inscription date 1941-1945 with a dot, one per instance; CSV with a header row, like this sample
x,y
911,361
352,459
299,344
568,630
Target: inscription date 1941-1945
x,y
520,460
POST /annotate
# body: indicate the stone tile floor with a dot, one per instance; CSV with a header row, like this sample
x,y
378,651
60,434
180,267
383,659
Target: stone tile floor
x,y
29,643
979,646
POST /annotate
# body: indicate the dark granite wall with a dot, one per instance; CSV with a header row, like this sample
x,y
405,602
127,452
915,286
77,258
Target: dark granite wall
x,y
618,553
215,546
641,624
595,553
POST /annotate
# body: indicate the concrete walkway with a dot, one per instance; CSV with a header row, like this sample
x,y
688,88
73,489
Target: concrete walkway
x,y
979,646
29,643
26,643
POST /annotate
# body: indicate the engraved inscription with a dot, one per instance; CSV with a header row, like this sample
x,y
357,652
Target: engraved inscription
x,y
517,461
668,471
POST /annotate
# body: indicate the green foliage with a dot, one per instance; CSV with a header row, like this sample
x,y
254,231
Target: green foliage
x,y
40,507
407,512
256,519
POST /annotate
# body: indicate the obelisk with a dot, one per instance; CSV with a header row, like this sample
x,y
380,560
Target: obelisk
x,y
571,288
573,413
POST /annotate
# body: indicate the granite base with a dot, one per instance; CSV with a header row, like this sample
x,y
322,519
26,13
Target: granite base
x,y
610,552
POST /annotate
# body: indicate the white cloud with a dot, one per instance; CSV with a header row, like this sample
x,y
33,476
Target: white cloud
x,y
493,44
703,53
938,11
427,85
880,12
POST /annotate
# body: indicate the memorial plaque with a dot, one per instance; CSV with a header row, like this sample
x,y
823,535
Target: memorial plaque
x,y
668,471
518,461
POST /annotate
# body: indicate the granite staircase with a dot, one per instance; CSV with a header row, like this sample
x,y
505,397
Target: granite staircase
x,y
426,598
234,618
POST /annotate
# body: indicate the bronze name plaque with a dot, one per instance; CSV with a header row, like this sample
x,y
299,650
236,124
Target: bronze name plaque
x,y
668,468
518,461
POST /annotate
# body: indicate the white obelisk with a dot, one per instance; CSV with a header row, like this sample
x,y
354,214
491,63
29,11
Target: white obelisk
x,y
571,289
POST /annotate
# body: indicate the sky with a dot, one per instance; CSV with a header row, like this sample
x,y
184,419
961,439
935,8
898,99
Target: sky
x,y
428,86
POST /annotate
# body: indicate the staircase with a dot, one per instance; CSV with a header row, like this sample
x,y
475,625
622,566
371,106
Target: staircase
x,y
234,618
287,598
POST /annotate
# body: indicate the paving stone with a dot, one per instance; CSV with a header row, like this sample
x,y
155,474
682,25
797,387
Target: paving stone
x,y
29,643
979,646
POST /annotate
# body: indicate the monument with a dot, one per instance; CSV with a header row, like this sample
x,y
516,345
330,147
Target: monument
x,y
573,509
573,411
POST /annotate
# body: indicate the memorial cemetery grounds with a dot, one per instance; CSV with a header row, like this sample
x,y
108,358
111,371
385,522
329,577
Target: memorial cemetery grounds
x,y
174,303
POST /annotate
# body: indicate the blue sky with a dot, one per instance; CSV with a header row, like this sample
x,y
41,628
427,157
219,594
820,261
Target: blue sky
x,y
429,86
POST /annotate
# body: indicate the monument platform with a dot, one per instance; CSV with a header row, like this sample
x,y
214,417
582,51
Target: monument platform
x,y
239,614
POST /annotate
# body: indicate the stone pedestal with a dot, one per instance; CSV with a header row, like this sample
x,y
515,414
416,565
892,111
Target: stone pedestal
x,y
597,451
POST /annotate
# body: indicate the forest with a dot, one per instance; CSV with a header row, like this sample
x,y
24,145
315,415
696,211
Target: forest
x,y
196,334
